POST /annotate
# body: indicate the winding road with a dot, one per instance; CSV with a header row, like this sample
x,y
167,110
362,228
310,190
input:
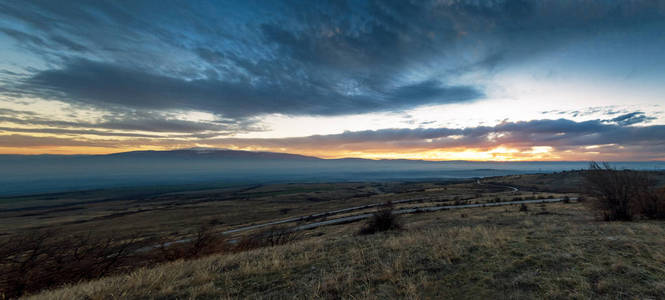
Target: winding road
x,y
424,209
353,218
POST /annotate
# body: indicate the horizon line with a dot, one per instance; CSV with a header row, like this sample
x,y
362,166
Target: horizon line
x,y
317,157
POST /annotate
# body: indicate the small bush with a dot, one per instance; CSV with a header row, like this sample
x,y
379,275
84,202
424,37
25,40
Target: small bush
x,y
621,195
523,207
566,199
612,191
382,220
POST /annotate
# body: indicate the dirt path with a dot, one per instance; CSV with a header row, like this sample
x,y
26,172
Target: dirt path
x,y
354,218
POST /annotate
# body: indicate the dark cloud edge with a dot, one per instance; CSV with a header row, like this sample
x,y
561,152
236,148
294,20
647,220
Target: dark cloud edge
x,y
644,142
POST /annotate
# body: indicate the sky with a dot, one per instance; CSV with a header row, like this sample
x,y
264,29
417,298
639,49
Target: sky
x,y
488,80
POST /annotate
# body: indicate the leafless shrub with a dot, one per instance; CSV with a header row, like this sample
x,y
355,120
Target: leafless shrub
x,y
45,259
618,194
382,220
651,204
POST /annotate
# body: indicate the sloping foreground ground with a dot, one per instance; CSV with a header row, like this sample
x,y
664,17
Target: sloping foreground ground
x,y
550,251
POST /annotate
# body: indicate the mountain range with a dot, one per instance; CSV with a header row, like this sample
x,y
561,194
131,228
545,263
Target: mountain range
x,y
32,174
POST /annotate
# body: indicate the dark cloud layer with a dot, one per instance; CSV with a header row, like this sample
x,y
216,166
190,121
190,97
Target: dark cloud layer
x,y
615,140
556,133
241,59
109,85
632,118
123,124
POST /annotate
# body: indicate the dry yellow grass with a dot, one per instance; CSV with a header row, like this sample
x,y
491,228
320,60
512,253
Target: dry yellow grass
x,y
553,251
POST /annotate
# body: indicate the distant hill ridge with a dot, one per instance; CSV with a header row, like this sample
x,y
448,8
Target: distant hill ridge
x,y
211,153
32,174
221,153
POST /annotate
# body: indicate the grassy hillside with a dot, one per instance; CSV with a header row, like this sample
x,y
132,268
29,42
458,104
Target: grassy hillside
x,y
560,182
550,251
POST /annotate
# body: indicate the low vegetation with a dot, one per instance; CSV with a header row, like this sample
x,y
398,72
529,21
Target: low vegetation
x,y
383,219
493,253
47,259
622,195
523,207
